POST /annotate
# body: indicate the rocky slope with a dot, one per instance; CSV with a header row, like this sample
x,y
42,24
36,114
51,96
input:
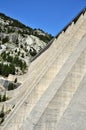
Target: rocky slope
x,y
18,44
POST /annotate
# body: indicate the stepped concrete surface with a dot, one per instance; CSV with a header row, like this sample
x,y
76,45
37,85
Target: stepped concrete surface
x,y
55,100
51,83
74,117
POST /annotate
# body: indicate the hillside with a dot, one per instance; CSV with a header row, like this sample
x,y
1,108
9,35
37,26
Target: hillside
x,y
18,44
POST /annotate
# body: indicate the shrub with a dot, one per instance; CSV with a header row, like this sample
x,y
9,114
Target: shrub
x,y
10,86
0,97
15,81
2,114
6,39
22,55
32,51
4,98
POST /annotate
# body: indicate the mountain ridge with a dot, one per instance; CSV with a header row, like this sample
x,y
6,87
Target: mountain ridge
x,y
21,42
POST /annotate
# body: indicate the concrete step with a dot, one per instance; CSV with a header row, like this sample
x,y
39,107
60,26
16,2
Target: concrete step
x,y
61,100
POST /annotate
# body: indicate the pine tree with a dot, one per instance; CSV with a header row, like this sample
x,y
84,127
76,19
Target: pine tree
x,y
15,81
4,98
2,114
0,98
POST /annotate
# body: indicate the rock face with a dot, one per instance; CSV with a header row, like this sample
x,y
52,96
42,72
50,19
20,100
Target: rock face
x,y
18,40
55,99
13,31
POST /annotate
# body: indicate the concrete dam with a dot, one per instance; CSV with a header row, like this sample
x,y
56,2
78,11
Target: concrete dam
x,y
55,98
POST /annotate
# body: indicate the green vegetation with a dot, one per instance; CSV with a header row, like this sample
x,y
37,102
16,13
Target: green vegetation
x,y
32,51
14,34
10,86
6,69
16,26
13,21
2,114
3,98
6,39
46,38
15,81
22,55
12,63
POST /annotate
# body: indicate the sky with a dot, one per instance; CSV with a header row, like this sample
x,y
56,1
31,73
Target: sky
x,y
48,15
